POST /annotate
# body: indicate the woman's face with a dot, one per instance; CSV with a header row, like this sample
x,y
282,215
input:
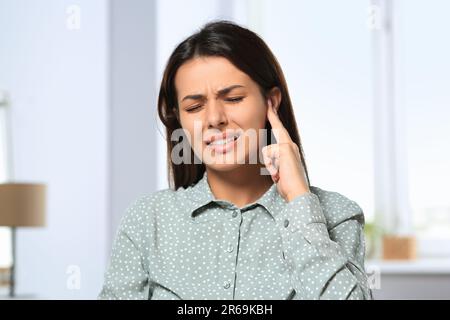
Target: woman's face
x,y
215,97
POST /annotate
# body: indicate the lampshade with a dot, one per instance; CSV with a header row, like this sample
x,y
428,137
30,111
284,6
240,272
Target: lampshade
x,y
22,204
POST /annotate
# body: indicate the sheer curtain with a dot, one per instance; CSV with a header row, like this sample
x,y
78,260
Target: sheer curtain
x,y
324,48
423,89
5,234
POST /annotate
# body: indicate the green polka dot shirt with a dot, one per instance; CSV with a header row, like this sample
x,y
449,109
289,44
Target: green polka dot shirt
x,y
186,244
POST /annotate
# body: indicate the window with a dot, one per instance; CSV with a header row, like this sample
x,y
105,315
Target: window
x,y
324,48
422,82
339,63
5,235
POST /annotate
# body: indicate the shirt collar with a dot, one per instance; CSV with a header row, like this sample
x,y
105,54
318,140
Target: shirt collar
x,y
200,195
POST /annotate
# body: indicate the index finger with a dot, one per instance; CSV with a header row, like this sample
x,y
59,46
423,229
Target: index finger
x,y
278,129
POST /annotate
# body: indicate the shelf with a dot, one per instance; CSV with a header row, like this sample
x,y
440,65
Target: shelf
x,y
430,266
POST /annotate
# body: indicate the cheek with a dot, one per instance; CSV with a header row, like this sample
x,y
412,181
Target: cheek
x,y
190,124
194,138
252,120
251,115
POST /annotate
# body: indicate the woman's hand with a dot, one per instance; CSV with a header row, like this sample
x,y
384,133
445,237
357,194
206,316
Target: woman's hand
x,y
283,160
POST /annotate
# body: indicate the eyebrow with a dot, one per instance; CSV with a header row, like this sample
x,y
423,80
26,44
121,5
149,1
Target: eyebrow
x,y
221,92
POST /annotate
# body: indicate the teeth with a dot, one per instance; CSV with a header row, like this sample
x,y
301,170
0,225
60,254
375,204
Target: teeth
x,y
222,142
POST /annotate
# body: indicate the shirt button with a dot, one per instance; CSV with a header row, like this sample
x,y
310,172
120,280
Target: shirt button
x,y
286,223
235,214
226,285
230,248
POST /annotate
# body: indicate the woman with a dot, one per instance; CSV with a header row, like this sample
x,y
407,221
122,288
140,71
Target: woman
x,y
229,227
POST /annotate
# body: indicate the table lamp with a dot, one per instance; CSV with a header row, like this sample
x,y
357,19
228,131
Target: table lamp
x,y
21,205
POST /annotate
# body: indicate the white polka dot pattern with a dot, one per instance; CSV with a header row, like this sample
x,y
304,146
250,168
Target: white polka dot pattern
x,y
186,244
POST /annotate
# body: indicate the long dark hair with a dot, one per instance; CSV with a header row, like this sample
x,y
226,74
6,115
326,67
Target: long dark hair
x,y
250,54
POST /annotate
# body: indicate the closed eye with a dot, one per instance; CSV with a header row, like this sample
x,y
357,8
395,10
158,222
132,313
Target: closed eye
x,y
235,99
231,100
193,108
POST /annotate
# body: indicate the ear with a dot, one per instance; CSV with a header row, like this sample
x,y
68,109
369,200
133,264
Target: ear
x,y
274,96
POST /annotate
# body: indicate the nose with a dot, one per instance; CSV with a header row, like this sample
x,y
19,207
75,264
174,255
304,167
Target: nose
x,y
215,115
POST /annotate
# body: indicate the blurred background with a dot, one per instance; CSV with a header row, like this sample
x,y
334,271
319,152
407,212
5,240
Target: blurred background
x,y
370,84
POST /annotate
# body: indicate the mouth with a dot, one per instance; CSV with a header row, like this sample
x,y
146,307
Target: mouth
x,y
223,145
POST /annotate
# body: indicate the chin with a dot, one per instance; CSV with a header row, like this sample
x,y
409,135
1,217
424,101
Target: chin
x,y
227,167
223,167
225,162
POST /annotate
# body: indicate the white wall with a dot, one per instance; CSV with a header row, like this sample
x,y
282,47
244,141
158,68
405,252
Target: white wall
x,y
58,81
133,104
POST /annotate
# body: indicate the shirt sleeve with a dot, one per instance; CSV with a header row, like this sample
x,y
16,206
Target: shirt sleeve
x,y
324,264
126,276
